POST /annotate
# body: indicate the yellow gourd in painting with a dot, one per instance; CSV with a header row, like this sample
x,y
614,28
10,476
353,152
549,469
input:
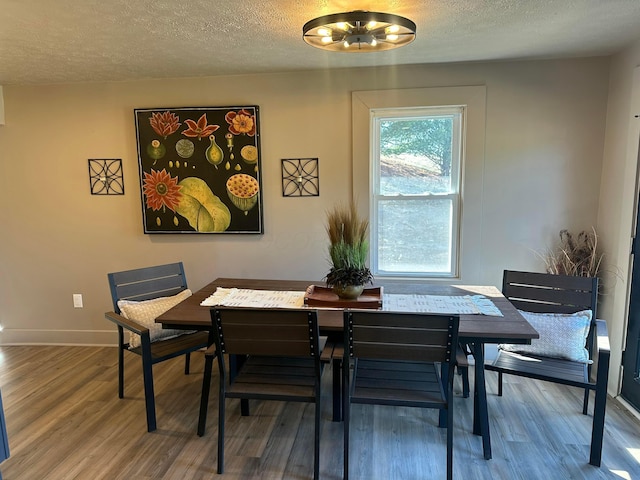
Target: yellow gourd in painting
x,y
203,210
214,153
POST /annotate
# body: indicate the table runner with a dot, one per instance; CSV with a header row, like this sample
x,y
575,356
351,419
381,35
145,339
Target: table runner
x,y
453,304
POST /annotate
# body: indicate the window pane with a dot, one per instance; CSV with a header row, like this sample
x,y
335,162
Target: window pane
x,y
415,235
415,155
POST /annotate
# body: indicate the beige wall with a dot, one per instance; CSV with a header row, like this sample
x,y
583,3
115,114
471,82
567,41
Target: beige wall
x,y
618,199
545,124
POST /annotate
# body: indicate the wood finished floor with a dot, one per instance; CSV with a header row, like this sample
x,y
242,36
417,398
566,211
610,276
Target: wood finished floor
x,y
65,421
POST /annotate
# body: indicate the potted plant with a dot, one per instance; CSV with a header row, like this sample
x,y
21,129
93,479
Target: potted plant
x,y
576,255
348,251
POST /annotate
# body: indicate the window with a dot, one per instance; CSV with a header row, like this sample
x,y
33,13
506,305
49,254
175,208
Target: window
x,y
415,200
462,193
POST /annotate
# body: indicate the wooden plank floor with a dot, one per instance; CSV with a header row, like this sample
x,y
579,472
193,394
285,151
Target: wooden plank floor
x,y
65,421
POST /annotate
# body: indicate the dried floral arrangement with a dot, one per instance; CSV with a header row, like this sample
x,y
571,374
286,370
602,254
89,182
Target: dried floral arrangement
x,y
348,247
576,255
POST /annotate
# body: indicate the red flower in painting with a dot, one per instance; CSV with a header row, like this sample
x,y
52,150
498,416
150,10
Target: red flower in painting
x,y
164,123
241,122
161,190
200,129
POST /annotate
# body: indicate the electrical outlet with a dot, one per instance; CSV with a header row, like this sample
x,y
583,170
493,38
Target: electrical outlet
x,y
77,300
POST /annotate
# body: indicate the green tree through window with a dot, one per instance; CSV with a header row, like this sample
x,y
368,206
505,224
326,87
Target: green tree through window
x,y
430,136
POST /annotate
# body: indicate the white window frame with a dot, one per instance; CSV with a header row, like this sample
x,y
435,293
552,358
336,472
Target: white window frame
x,y
377,115
473,98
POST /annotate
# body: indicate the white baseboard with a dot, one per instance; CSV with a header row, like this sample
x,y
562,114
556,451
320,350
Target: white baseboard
x,y
16,336
632,410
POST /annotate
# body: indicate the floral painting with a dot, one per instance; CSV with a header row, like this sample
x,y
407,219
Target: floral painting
x,y
200,169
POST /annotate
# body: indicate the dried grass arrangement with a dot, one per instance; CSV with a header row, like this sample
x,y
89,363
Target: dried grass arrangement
x,y
576,255
348,247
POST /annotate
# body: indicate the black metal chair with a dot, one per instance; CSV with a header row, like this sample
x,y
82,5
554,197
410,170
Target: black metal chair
x,y
546,293
281,361
403,359
141,285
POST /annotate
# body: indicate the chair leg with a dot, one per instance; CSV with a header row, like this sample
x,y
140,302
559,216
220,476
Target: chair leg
x,y
346,413
120,362
464,373
204,398
316,446
221,414
450,441
599,409
597,432
499,384
187,363
147,374
585,403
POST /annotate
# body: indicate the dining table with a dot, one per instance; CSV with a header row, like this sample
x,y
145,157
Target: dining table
x,y
475,330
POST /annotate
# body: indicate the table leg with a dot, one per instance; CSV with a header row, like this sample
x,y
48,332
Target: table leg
x,y
337,390
235,363
480,410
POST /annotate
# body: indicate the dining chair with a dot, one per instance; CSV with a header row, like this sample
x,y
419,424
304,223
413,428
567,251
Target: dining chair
x,y
139,296
402,359
562,308
281,351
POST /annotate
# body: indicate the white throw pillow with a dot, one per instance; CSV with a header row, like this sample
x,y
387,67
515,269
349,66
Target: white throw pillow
x,y
561,336
145,313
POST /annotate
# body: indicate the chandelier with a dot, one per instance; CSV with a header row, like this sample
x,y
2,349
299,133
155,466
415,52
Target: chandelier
x,y
359,31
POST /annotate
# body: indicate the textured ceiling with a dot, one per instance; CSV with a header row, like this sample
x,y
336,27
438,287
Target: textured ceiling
x,y
55,41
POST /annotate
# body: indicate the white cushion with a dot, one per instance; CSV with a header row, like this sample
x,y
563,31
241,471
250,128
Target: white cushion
x,y
145,313
561,336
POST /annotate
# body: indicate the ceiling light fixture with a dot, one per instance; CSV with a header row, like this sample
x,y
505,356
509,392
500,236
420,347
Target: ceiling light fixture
x,y
359,31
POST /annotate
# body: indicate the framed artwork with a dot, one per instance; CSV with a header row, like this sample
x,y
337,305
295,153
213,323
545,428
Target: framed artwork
x,y
300,177
200,169
105,176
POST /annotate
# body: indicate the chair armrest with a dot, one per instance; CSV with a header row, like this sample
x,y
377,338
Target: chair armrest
x,y
602,337
603,358
126,323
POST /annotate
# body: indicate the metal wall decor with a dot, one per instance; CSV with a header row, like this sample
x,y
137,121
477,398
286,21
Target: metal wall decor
x,y
105,176
300,177
200,169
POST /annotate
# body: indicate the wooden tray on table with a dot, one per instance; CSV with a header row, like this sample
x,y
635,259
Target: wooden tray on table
x,y
317,296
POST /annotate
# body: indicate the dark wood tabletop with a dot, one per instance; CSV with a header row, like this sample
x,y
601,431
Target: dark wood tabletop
x,y
512,327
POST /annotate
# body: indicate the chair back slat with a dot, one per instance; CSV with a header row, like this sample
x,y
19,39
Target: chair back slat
x,y
376,334
147,283
277,332
401,335
396,351
255,330
259,347
541,307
